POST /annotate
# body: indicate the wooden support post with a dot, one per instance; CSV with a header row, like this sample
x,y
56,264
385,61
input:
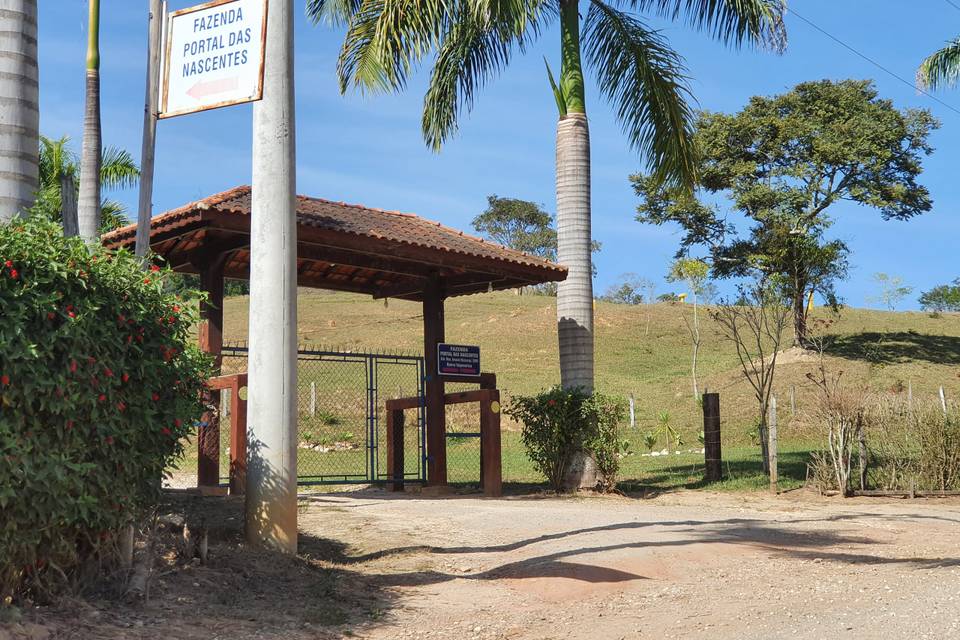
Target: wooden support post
x,y
491,473
433,335
238,436
711,437
395,420
211,341
772,428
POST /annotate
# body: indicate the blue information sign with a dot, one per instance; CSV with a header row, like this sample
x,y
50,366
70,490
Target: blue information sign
x,y
458,360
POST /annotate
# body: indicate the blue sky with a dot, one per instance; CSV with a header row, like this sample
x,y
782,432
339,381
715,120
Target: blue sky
x,y
368,149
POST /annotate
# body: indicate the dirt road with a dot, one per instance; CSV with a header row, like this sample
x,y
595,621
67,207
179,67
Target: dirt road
x,y
689,565
685,565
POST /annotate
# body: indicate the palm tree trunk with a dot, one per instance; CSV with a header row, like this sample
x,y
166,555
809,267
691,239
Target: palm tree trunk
x,y
575,294
20,108
88,204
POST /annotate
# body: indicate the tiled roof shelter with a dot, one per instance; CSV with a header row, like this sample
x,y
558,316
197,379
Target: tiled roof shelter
x,y
342,247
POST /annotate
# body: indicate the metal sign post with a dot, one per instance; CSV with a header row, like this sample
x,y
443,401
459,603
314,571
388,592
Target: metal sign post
x,y
213,56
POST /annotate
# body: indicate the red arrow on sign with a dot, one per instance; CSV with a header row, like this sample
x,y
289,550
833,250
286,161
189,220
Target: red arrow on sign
x,y
212,87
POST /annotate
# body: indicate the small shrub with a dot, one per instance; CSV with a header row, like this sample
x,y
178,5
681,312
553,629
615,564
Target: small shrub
x,y
99,382
559,423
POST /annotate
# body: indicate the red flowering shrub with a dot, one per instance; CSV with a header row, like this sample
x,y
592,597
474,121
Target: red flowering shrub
x,y
97,387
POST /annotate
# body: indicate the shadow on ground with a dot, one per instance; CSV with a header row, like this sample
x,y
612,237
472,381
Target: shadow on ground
x,y
897,347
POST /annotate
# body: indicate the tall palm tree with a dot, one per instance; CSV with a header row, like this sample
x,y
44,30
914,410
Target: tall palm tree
x,y
635,68
88,202
20,119
57,161
941,68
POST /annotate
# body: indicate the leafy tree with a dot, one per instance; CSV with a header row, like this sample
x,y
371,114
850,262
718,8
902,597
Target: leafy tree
x,y
117,171
944,297
629,290
524,226
783,161
694,273
892,290
635,68
518,224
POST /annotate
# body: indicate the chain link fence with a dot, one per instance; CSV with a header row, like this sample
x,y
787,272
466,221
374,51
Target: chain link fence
x,y
341,399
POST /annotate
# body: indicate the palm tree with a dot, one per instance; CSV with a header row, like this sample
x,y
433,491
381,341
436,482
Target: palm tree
x,y
58,162
88,202
20,94
942,68
635,68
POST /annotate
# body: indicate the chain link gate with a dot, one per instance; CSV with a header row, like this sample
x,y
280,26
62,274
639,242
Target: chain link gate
x,y
342,416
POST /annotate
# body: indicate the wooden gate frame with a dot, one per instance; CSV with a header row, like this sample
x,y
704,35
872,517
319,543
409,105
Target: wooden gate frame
x,y
491,475
238,432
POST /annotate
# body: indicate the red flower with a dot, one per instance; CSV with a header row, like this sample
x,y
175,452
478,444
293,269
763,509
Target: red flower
x,y
176,308
551,402
129,339
177,423
72,314
125,377
108,372
165,431
4,379
73,366
171,319
155,397
8,263
108,440
146,281
51,315
101,398
154,268
14,274
69,425
121,406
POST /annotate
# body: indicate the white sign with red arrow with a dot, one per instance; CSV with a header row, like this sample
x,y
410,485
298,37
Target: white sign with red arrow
x,y
213,56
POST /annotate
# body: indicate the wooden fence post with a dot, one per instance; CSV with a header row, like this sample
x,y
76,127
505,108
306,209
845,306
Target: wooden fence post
x,y
711,437
772,430
395,443
491,473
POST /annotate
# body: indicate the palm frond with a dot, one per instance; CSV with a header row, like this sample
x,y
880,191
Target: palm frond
x,y
734,22
475,48
645,80
942,69
56,159
118,169
387,38
333,12
557,93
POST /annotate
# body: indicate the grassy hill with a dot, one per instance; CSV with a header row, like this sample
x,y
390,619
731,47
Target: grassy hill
x,y
643,351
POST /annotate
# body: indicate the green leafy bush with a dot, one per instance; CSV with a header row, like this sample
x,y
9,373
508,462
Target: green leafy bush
x,y
98,385
561,422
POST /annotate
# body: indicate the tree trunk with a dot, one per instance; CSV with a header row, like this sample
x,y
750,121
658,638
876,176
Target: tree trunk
x,y
575,294
68,205
800,319
88,204
20,111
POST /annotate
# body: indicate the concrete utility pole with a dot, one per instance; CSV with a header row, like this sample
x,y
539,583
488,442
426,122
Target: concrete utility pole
x,y
271,508
20,110
148,150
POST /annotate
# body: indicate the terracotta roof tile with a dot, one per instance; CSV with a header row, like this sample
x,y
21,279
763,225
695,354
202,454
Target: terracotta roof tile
x,y
357,220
